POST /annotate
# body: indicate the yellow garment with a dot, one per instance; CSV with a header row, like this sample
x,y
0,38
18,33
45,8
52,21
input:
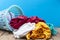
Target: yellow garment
x,y
41,31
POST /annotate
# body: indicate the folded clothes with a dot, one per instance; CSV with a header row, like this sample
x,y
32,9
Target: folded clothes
x,y
41,30
23,30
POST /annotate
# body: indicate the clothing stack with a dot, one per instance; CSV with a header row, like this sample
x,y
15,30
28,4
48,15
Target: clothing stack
x,y
32,27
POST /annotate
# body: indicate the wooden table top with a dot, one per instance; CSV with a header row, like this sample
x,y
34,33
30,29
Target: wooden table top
x,y
4,35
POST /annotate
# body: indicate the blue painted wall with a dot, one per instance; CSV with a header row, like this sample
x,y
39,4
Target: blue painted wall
x,y
48,10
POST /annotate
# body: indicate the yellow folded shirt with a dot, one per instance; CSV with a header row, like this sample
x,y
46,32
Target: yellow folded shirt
x,y
41,31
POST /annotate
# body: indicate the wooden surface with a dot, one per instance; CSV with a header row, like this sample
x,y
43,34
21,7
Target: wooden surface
x,y
5,35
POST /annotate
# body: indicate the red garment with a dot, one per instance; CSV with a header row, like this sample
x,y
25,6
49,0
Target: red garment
x,y
35,19
20,20
17,22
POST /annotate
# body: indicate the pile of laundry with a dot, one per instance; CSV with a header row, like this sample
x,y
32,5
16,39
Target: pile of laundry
x,y
12,19
31,28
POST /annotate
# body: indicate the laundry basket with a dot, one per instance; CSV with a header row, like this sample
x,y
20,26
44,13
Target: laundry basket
x,y
7,14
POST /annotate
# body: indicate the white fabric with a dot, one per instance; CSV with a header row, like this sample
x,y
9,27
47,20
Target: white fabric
x,y
24,29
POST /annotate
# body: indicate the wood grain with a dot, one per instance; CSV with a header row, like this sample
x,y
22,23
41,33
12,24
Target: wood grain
x,y
5,35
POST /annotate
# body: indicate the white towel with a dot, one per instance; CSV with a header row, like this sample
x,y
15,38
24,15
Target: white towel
x,y
24,29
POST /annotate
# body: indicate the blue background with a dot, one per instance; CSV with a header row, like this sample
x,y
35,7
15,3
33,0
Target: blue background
x,y
49,10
